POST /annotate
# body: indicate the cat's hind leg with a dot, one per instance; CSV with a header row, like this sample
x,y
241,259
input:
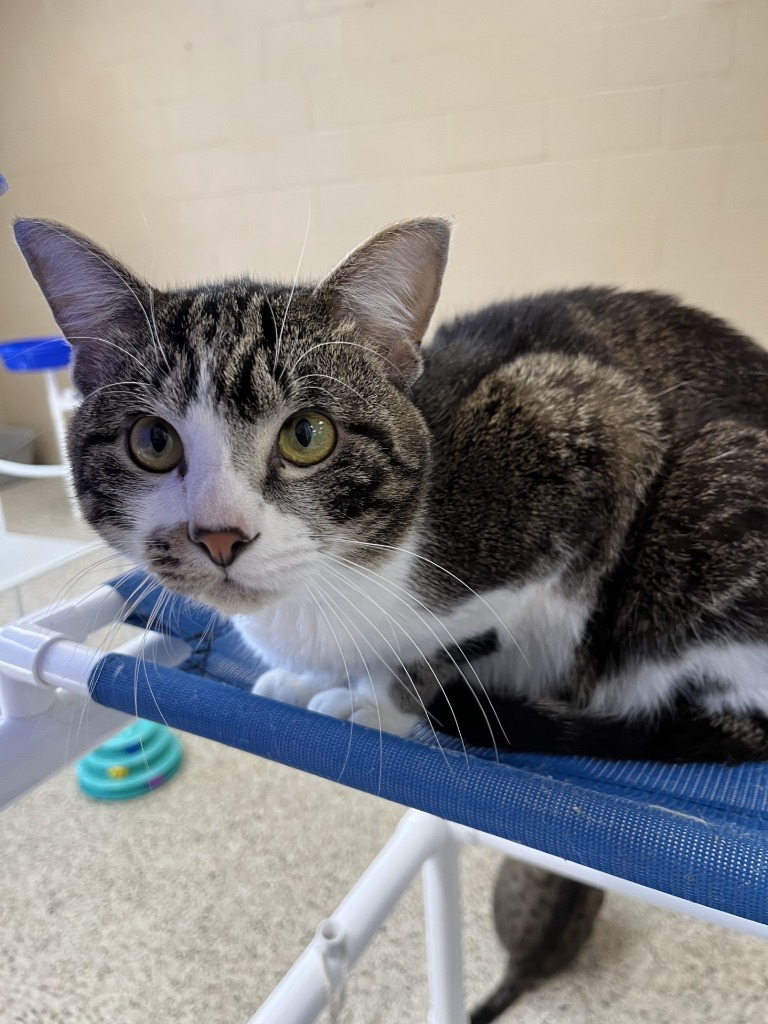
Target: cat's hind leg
x,y
687,612
683,733
676,659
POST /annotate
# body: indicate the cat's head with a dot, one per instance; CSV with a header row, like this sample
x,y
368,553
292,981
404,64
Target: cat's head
x,y
233,436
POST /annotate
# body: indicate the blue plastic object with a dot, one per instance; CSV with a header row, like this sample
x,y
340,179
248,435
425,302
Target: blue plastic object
x,y
137,760
30,355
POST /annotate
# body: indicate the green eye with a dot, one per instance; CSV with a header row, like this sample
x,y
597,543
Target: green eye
x,y
307,438
154,445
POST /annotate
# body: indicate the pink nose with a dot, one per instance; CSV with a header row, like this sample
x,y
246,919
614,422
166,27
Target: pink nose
x,y
222,546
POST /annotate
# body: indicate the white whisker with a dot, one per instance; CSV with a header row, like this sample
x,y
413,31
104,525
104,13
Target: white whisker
x,y
326,344
453,576
316,599
152,295
293,288
414,689
374,577
337,380
141,658
105,341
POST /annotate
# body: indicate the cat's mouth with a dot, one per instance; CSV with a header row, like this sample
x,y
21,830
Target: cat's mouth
x,y
225,594
232,598
232,589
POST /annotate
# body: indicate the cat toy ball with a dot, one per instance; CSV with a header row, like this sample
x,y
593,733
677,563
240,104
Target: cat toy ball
x,y
137,760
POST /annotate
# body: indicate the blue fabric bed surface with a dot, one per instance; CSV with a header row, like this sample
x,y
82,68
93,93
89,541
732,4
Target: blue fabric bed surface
x,y
696,831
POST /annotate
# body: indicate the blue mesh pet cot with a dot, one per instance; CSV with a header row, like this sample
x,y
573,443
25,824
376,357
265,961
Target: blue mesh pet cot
x,y
669,833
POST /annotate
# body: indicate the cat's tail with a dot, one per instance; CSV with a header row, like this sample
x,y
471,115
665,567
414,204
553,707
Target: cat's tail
x,y
567,928
683,733
510,989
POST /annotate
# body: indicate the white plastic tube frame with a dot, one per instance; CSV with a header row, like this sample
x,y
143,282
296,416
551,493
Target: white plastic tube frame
x,y
47,718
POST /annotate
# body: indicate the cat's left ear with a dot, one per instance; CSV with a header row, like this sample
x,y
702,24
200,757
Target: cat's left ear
x,y
390,286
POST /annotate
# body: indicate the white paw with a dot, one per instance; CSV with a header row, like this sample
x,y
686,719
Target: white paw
x,y
355,704
338,702
285,686
385,717
363,709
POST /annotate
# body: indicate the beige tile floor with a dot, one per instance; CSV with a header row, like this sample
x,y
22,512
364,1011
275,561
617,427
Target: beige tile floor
x,y
188,905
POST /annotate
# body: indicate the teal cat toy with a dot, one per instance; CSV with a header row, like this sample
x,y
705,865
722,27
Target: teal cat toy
x,y
137,760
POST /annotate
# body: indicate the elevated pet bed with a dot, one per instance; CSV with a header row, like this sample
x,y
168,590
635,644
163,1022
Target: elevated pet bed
x,y
692,837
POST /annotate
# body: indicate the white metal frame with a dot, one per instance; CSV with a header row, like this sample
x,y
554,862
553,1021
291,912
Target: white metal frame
x,y
424,843
62,400
45,664
24,556
47,718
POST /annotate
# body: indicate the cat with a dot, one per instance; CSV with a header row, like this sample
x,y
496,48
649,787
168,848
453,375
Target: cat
x,y
543,921
546,529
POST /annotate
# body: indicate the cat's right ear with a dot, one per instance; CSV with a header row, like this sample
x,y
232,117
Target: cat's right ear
x,y
98,303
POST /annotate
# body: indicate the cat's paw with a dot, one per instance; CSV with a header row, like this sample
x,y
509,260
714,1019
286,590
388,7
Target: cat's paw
x,y
386,718
338,702
363,709
285,686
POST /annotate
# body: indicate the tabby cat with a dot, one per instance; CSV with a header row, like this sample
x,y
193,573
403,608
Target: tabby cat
x,y
547,529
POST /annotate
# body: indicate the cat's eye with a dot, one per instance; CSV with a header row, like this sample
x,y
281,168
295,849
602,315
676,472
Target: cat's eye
x,y
307,438
154,445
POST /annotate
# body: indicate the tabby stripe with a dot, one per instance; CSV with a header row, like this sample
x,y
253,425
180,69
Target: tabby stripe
x,y
241,305
210,315
97,439
177,330
384,440
475,647
268,325
355,499
241,390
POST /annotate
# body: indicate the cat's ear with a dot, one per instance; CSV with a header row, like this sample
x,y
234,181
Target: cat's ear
x,y
390,286
98,303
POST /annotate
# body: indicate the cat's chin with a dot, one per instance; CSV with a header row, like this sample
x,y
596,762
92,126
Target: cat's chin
x,y
227,597
234,600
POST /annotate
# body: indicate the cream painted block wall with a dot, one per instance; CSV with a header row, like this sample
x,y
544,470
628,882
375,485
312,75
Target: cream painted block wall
x,y
574,141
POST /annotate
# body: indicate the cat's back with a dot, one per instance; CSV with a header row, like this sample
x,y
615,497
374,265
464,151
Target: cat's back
x,y
696,366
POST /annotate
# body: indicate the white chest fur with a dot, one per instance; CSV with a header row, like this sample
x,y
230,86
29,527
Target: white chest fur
x,y
350,623
543,628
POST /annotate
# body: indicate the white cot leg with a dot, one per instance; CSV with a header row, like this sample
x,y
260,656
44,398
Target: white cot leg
x,y
304,991
442,916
